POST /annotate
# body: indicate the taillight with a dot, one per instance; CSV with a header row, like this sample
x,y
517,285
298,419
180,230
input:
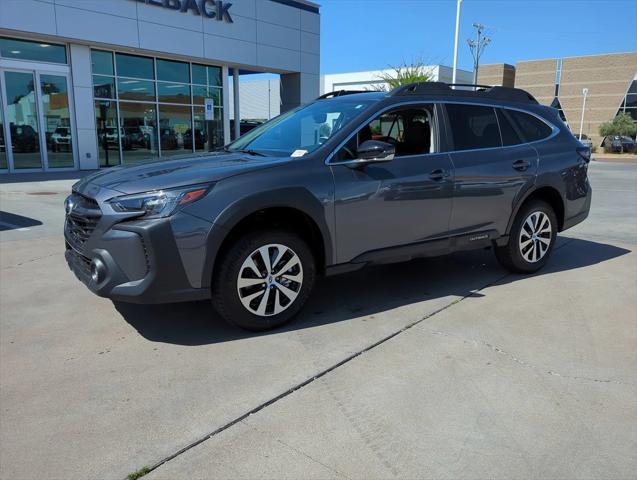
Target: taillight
x,y
585,153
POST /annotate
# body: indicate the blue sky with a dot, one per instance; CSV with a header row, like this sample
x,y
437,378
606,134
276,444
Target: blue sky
x,y
371,34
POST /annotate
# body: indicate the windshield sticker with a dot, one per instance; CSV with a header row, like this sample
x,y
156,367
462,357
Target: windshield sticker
x,y
298,153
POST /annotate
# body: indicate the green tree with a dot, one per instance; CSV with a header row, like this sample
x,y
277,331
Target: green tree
x,y
623,125
403,74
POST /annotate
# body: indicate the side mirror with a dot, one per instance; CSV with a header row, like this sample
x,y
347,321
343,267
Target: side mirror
x,y
371,151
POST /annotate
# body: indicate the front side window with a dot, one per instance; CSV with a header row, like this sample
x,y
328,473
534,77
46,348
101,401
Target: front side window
x,y
473,126
409,129
303,130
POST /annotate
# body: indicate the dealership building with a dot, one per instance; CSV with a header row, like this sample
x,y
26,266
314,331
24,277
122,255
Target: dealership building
x,y
609,80
86,84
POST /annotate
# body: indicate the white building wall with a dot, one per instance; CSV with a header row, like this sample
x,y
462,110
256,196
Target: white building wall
x,y
265,35
259,99
82,86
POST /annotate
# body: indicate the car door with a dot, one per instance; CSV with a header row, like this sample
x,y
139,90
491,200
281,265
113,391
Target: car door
x,y
403,201
490,176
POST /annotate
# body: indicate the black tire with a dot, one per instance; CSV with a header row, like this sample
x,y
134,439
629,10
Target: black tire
x,y
511,256
225,292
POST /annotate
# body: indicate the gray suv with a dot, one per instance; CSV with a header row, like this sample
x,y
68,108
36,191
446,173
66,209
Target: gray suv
x,y
346,181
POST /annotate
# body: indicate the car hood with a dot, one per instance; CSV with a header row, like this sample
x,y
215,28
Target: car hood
x,y
187,170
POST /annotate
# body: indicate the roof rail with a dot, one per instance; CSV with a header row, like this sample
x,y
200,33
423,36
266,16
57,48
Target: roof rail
x,y
479,91
340,93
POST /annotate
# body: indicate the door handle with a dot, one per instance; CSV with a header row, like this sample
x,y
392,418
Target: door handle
x,y
521,165
438,174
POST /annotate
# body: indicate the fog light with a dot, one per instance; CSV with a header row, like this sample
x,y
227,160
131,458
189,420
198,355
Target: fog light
x,y
98,270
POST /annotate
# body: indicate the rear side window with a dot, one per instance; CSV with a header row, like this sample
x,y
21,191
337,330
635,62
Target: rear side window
x,y
510,135
532,128
473,126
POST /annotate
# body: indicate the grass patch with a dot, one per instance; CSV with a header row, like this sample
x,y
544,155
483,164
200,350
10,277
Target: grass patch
x,y
139,473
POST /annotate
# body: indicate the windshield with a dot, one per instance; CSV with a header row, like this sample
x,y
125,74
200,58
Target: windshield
x,y
302,130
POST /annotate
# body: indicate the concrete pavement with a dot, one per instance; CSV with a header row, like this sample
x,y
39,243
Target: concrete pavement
x,y
504,376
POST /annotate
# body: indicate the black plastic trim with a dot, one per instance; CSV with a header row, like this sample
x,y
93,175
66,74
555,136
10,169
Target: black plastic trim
x,y
299,5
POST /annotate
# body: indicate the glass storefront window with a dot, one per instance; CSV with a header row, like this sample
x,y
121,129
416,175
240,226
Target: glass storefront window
x,y
206,75
171,71
107,132
155,114
631,100
103,87
22,116
208,134
102,62
173,93
200,93
3,146
35,51
139,135
57,121
134,66
174,123
140,90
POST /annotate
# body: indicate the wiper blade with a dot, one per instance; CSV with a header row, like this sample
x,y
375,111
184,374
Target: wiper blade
x,y
251,152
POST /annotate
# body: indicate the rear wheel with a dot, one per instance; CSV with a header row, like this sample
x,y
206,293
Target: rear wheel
x,y
263,280
531,240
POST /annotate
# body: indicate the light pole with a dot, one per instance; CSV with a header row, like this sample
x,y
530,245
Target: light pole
x,y
477,47
455,43
581,123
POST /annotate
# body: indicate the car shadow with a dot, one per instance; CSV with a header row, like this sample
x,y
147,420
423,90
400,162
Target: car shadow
x,y
11,221
366,292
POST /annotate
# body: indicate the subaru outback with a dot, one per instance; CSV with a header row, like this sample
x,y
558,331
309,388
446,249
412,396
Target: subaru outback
x,y
349,180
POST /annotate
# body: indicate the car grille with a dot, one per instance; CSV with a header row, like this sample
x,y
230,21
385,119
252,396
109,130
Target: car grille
x,y
83,263
81,221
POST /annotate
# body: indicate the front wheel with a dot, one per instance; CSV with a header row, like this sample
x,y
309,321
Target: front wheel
x,y
531,240
263,280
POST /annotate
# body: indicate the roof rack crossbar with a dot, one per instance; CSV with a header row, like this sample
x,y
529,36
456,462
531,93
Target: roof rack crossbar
x,y
340,93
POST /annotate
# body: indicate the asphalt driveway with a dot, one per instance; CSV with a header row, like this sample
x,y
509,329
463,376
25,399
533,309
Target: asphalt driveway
x,y
446,368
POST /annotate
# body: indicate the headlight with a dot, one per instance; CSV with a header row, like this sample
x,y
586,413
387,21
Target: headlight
x,y
161,203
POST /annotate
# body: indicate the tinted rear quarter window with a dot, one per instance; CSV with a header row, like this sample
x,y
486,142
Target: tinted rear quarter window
x,y
510,135
473,126
532,128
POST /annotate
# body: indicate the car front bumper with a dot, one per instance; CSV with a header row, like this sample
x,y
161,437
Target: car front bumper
x,y
139,261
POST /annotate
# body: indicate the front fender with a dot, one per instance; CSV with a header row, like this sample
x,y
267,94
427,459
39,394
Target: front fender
x,y
297,198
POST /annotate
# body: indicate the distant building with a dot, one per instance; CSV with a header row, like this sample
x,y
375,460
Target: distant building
x,y
371,80
501,74
611,80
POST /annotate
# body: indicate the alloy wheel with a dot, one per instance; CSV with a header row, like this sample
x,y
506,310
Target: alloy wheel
x,y
270,279
535,236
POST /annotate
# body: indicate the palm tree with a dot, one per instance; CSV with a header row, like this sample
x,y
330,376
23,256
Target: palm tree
x,y
403,74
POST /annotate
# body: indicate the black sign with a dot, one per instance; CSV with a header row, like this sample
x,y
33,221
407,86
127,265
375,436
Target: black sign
x,y
208,8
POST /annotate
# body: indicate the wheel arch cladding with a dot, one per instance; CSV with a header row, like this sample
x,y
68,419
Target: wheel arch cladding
x,y
550,195
294,209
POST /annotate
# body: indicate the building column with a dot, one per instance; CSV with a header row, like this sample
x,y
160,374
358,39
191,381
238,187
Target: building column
x,y
298,89
235,98
82,88
226,104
